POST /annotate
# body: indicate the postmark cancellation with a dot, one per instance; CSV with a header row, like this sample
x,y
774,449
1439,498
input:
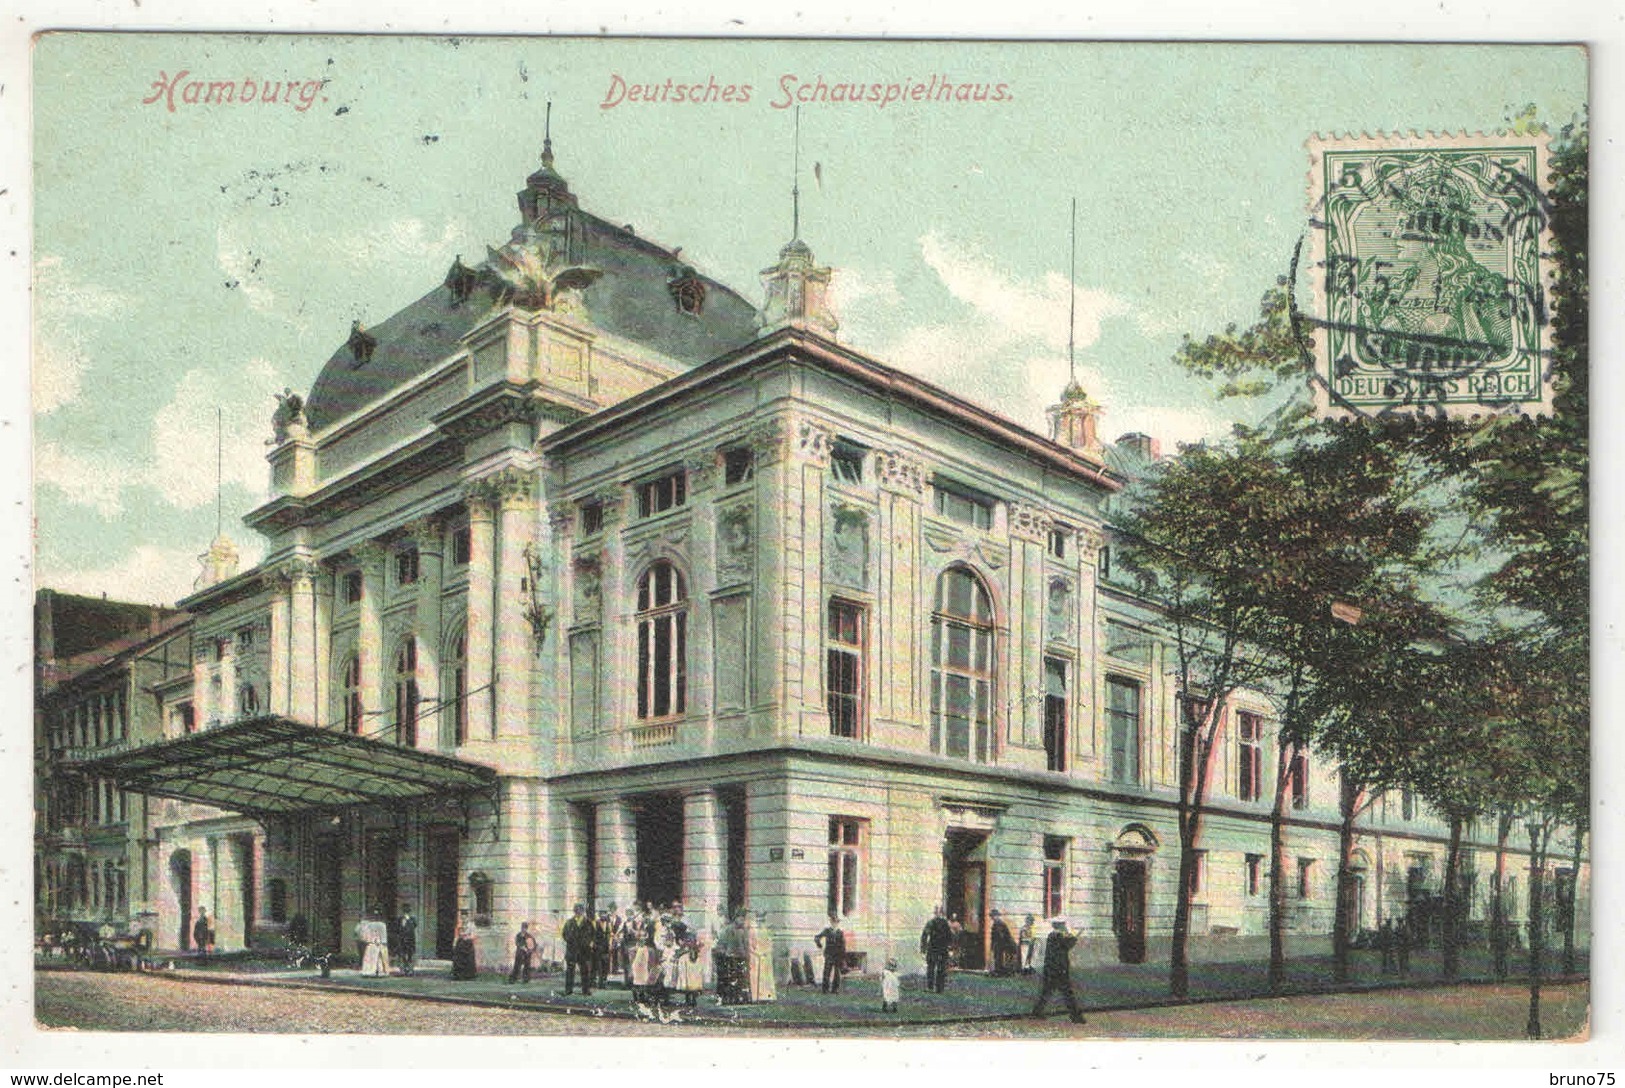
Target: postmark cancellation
x,y
1432,275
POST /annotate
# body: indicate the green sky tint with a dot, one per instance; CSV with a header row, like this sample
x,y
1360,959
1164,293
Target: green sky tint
x,y
209,256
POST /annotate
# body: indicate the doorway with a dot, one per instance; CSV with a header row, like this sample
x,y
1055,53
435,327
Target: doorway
x,y
326,902
445,862
964,867
379,891
1128,909
660,848
180,876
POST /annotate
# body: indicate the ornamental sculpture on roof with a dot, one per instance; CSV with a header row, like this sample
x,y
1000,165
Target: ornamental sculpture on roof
x,y
531,273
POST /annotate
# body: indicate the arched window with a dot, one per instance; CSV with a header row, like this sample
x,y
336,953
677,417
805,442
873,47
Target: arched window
x,y
248,701
481,890
350,693
662,642
454,692
962,678
406,693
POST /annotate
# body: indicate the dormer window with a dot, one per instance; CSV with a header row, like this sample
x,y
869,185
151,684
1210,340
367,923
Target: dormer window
x,y
461,281
687,291
962,506
361,343
846,462
662,493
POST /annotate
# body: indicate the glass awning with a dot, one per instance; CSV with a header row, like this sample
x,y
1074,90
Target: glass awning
x,y
272,765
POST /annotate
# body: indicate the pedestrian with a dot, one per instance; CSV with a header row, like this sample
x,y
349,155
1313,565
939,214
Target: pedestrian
x,y
833,941
1402,944
603,939
956,945
690,976
524,948
1058,970
372,934
464,962
759,941
407,927
891,987
202,933
935,942
578,946
1004,945
1027,940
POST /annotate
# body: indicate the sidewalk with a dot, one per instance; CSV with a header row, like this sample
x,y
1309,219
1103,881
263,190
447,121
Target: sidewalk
x,y
970,996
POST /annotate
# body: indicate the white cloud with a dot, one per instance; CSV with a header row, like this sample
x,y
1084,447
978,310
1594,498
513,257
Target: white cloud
x,y
146,573
1170,426
408,242
59,292
96,480
59,369
183,433
242,267
1005,344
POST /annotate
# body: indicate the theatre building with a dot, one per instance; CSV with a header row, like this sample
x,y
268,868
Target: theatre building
x,y
588,580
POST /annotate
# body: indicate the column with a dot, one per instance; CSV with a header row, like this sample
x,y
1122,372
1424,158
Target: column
x,y
902,484
371,558
770,441
803,516
1029,589
515,642
301,578
481,566
201,705
326,589
429,536
617,860
277,698
1085,711
705,846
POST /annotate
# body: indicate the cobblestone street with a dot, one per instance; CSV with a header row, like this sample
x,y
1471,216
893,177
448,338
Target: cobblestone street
x,y
119,1002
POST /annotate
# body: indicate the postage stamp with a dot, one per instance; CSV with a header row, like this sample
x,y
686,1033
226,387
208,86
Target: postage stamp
x,y
1431,275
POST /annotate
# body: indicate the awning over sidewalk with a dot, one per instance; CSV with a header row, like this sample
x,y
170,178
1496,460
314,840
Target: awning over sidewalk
x,y
274,766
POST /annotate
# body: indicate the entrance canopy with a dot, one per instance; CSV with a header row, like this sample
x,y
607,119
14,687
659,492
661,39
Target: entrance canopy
x,y
274,766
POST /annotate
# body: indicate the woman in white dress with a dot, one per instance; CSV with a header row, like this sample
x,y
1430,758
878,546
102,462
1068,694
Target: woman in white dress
x,y
759,947
375,960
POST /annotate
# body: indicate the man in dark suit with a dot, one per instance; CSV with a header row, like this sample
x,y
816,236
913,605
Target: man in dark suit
x,y
578,950
1004,945
935,942
406,930
833,941
1058,970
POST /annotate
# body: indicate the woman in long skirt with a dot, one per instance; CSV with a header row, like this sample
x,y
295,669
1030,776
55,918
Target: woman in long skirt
x,y
759,945
463,963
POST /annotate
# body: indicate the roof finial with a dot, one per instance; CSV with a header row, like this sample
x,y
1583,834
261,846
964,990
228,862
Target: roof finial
x,y
1072,313
547,137
795,184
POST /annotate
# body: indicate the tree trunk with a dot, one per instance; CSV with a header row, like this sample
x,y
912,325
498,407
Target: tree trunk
x,y
1498,913
1277,972
1573,898
1537,867
1348,807
1196,750
1448,930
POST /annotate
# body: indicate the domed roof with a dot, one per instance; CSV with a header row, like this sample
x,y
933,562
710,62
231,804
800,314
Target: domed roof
x,y
644,293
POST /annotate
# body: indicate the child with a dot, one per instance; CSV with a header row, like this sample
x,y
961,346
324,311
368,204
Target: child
x,y
889,987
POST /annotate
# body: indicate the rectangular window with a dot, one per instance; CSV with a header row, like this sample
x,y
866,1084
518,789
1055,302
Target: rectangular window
x,y
351,589
1106,561
964,508
1057,543
1055,714
1407,805
592,518
462,546
1299,780
1306,878
1123,719
245,640
844,683
1249,783
664,493
1193,714
846,463
1255,873
846,856
1054,876
738,465
1198,872
188,719
406,566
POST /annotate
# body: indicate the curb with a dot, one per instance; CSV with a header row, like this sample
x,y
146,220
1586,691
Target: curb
x,y
597,1013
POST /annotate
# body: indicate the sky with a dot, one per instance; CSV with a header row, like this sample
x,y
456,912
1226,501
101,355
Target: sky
x,y
208,255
